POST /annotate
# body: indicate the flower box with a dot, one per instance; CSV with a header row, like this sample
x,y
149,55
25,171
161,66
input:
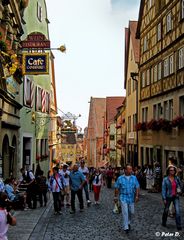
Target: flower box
x,y
178,122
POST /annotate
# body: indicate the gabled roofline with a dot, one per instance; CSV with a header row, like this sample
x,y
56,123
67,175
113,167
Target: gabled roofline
x,y
140,19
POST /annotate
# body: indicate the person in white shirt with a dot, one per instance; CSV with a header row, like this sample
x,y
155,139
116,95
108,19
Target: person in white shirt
x,y
57,183
66,174
85,172
97,183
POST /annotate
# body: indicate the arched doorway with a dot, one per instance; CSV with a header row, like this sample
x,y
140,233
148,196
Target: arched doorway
x,y
5,157
13,157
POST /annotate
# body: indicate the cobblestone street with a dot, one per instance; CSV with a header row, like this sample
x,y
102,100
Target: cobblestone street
x,y
96,222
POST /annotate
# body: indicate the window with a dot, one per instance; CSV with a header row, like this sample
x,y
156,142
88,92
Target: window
x,y
181,105
155,73
171,64
168,22
47,103
166,67
148,77
157,111
39,99
38,149
134,85
159,33
145,114
39,12
145,44
134,121
181,58
129,124
129,86
160,71
149,4
168,110
143,80
182,9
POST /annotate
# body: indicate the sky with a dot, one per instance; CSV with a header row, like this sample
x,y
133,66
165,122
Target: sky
x,y
93,66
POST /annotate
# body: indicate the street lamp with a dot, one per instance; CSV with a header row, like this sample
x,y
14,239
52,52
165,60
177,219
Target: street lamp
x,y
133,75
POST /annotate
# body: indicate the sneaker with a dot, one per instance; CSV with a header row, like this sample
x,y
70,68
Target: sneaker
x,y
72,211
88,201
95,203
59,212
126,231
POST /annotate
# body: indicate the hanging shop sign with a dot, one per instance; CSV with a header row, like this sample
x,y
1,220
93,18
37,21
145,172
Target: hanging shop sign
x,y
35,63
35,40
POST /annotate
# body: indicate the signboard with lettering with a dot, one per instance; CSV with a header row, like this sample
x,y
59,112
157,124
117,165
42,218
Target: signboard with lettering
x,y
35,63
36,40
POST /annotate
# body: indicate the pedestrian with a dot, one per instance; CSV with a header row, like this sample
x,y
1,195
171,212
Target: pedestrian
x,y
43,188
109,175
128,188
83,169
91,177
57,183
157,177
28,180
6,218
66,174
97,183
171,189
149,177
77,181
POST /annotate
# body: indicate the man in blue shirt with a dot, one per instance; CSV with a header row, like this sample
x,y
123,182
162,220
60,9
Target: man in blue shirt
x,y
77,181
128,188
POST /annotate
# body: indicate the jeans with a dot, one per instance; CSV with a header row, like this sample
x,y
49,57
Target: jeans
x,y
175,201
57,201
127,212
79,195
86,191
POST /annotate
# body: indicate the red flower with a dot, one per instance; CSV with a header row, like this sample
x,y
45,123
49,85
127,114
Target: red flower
x,y
178,122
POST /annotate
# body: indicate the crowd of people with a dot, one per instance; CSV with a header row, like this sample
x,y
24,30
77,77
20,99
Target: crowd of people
x,y
65,182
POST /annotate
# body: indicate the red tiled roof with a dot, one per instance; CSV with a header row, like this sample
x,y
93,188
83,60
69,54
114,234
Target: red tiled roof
x,y
112,103
135,42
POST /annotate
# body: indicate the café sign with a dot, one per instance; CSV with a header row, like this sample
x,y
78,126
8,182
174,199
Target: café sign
x,y
36,40
35,63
